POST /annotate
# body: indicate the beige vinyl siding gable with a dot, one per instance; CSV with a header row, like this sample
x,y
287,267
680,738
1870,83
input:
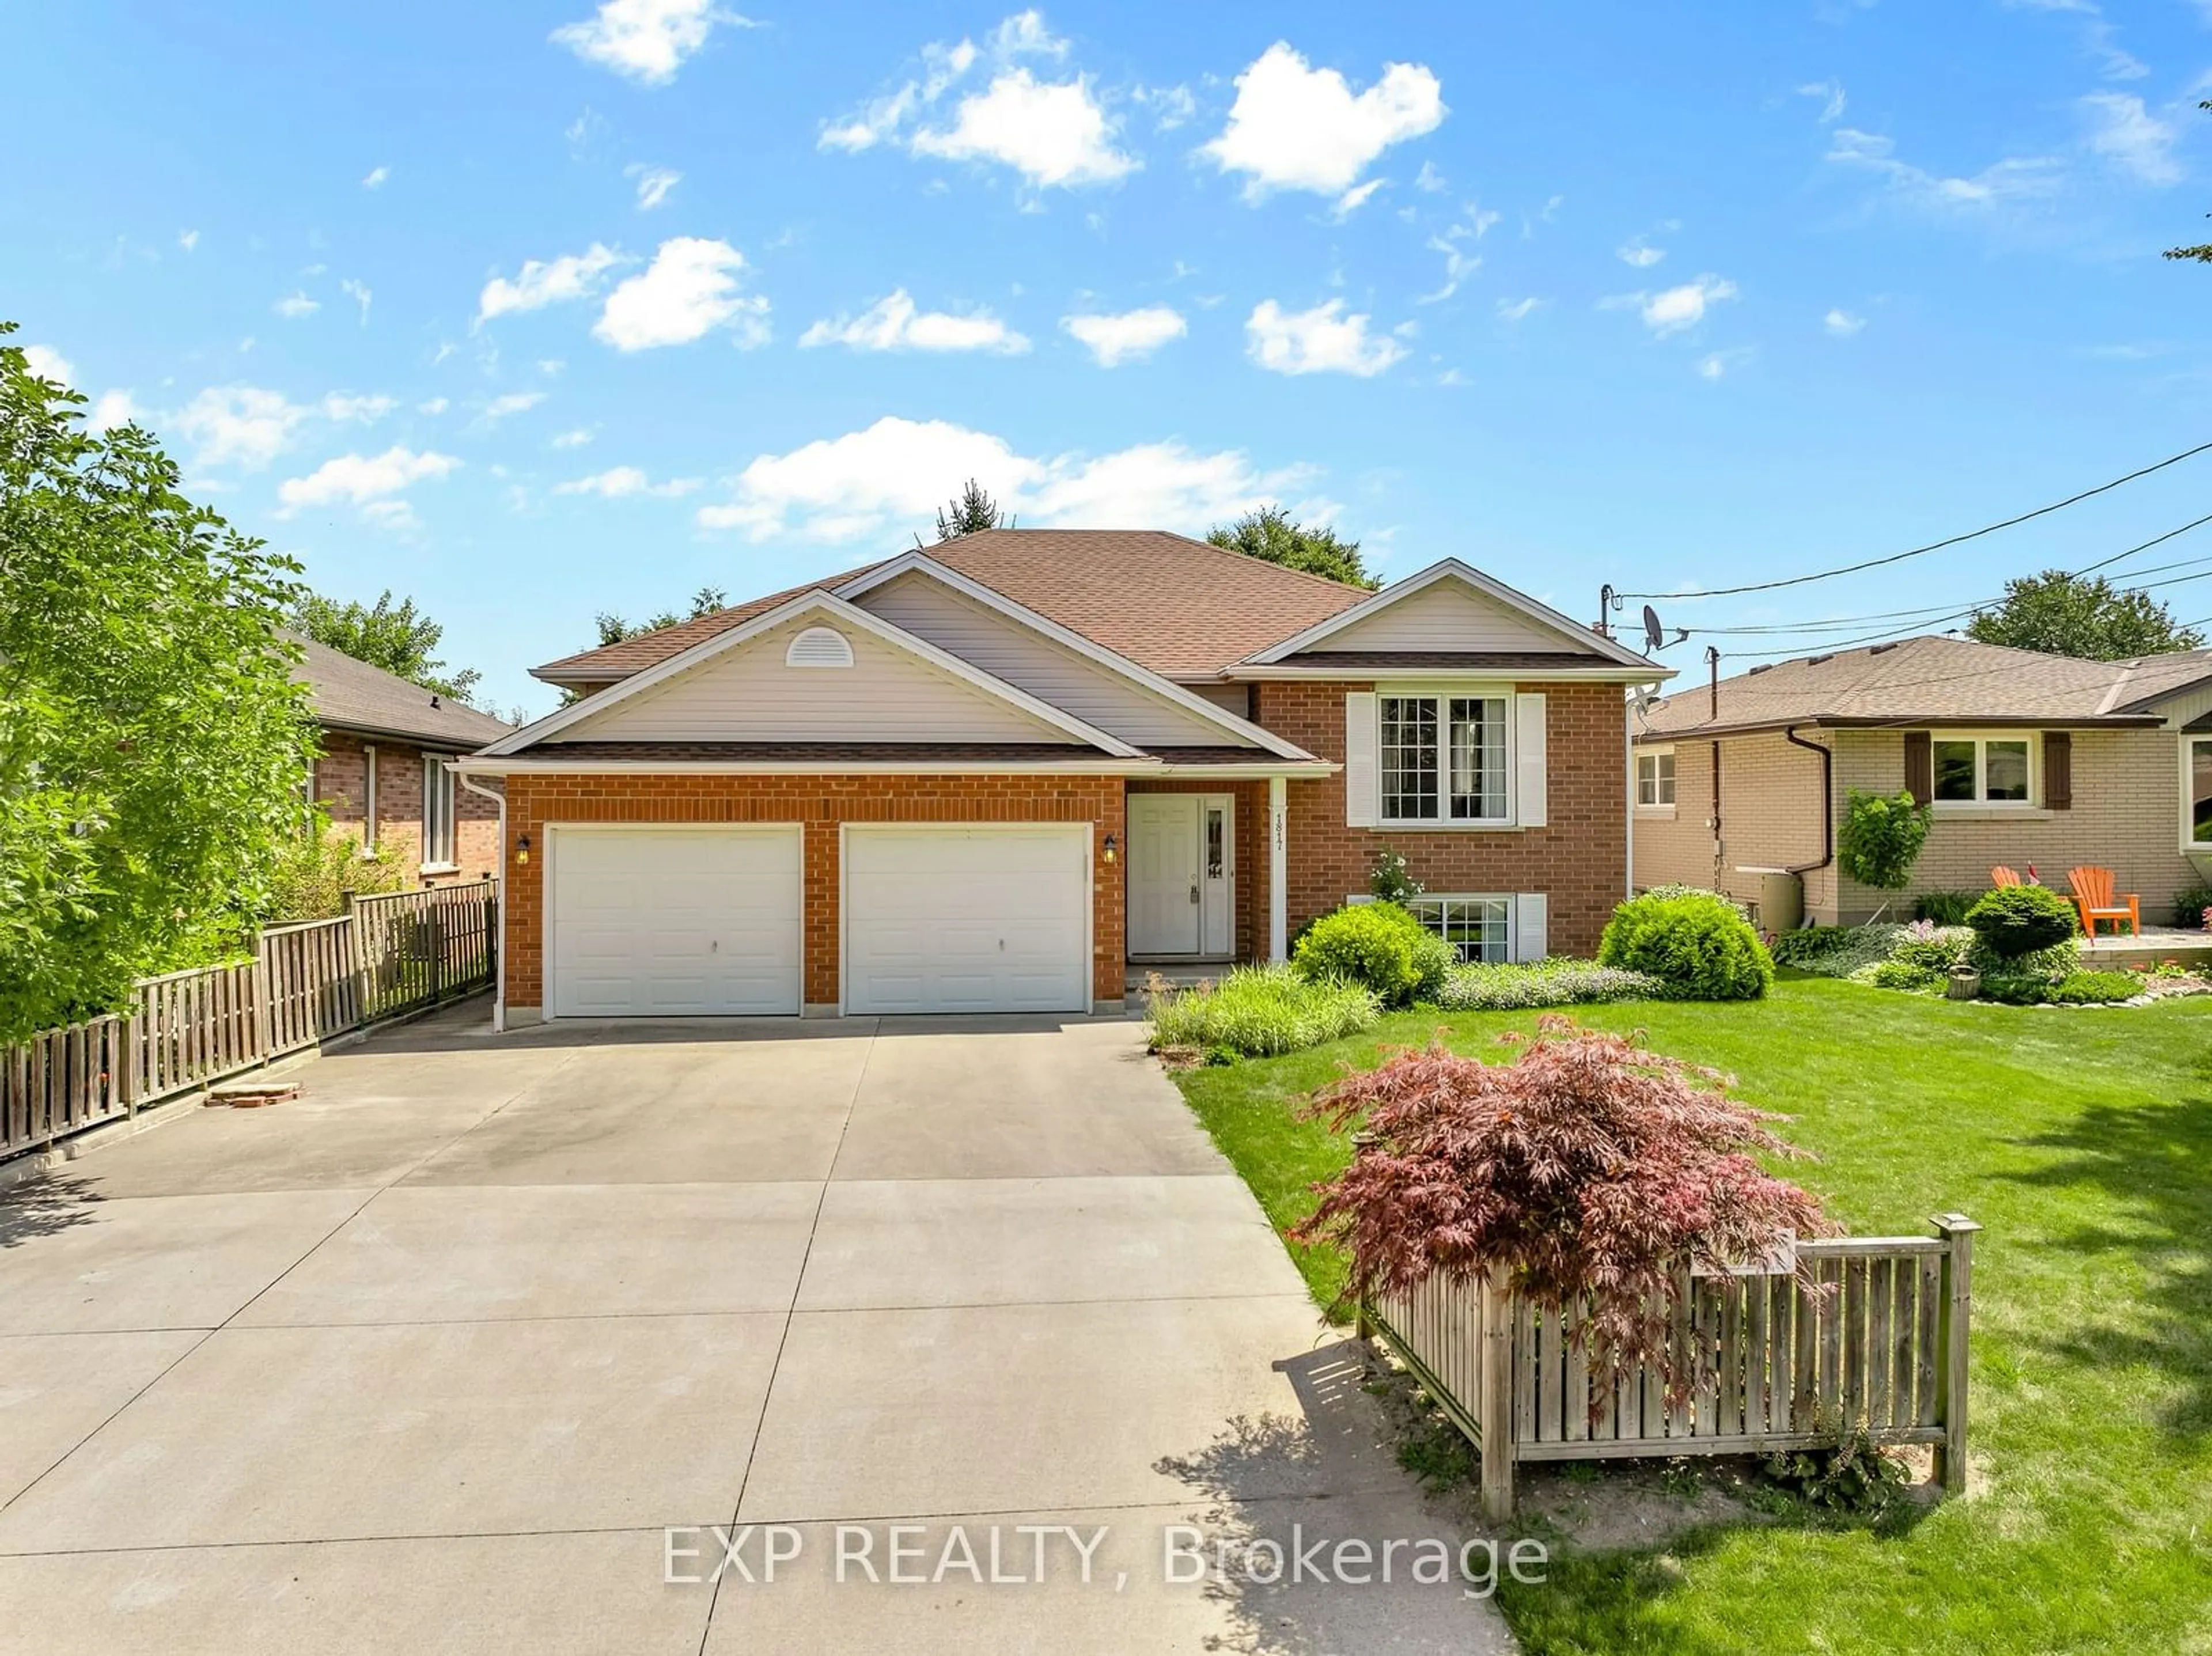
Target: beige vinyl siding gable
x,y
1446,614
748,693
1048,670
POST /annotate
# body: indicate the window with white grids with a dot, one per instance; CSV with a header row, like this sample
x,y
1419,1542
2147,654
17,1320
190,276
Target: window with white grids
x,y
1478,928
1443,758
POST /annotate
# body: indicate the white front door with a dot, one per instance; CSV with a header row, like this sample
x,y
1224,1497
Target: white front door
x,y
968,918
1182,874
668,922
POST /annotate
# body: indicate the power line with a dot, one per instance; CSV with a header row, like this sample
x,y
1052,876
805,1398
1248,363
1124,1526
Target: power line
x,y
1933,546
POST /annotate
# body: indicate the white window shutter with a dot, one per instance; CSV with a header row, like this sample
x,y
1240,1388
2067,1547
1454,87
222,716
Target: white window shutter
x,y
1529,765
1361,771
1532,926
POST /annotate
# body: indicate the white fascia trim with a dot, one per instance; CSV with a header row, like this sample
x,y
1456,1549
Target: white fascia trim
x,y
1190,700
1249,772
487,765
849,613
1260,672
1452,568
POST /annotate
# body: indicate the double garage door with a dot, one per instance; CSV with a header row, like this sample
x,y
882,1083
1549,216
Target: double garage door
x,y
673,922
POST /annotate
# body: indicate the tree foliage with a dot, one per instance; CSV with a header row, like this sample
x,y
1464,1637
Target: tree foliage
x,y
1881,836
2064,614
397,637
1270,535
970,510
152,744
613,630
1591,1172
2202,251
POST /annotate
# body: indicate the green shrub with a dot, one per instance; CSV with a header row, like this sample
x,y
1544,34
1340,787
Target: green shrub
x,y
1900,974
1932,947
1944,908
1390,881
1501,988
1880,838
1809,943
2092,988
2018,920
2016,990
2188,906
1378,946
2060,960
1259,1012
1695,943
309,880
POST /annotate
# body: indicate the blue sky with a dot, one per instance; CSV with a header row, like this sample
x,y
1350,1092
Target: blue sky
x,y
532,311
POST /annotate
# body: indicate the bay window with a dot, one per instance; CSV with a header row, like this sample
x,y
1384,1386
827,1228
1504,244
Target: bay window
x,y
1443,758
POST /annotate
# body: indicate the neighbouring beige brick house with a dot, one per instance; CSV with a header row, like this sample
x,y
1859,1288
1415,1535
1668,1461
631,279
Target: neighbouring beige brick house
x,y
2029,759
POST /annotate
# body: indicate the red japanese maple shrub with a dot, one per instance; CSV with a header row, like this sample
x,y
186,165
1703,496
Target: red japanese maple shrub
x,y
1592,1171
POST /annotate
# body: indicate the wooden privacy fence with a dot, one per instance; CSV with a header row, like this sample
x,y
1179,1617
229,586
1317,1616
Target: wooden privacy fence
x,y
387,955
1874,1335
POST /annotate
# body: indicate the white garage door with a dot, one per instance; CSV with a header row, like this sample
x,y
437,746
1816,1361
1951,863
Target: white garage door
x,y
968,919
675,922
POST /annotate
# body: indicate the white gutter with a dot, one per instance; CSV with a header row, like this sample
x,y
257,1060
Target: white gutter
x,y
1413,673
499,943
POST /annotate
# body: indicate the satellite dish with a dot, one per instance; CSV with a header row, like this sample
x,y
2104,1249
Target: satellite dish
x,y
1654,634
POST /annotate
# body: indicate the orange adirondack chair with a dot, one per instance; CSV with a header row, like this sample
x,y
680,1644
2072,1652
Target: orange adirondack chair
x,y
2002,875
2093,896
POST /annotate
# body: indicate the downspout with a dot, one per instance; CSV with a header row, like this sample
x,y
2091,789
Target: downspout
x,y
499,985
1628,770
1827,801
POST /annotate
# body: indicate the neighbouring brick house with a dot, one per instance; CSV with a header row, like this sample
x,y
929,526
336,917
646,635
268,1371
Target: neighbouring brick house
x,y
995,774
2028,759
382,774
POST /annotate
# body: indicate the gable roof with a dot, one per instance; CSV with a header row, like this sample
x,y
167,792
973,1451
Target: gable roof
x,y
809,602
351,695
1931,680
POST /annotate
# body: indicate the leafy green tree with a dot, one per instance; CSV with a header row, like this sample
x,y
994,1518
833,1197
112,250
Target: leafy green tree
x,y
613,630
966,512
1270,534
152,744
2064,614
397,637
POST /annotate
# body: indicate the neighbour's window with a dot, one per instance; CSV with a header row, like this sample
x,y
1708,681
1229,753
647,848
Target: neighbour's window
x,y
2198,830
437,810
1442,759
1479,928
1983,770
1655,777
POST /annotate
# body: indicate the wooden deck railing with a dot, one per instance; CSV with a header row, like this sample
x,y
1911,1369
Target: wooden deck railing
x,y
1873,1335
385,955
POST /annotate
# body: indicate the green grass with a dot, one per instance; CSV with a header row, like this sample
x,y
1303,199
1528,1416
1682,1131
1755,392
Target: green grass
x,y
2082,1140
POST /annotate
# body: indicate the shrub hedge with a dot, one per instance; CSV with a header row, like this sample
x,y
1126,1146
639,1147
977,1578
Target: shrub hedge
x,y
2018,920
1698,943
1379,946
1501,988
2096,988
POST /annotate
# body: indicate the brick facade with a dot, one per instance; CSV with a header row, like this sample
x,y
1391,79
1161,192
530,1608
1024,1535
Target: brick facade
x,y
341,788
821,804
1580,860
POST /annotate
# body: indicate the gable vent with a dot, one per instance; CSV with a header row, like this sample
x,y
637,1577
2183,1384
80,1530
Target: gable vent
x,y
819,646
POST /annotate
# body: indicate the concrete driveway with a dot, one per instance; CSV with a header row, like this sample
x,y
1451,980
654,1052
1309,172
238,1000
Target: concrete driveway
x,y
433,1359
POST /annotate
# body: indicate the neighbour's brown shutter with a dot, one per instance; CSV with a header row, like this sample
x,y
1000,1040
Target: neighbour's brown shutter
x,y
1919,766
2058,769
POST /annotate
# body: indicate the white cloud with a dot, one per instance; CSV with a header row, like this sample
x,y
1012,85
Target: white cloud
x,y
344,407
2006,180
46,362
575,437
513,402
1129,336
893,324
1356,197
188,240
358,292
1172,106
1719,363
654,183
1294,127
548,282
362,480
434,405
2130,137
893,473
1831,95
1518,310
1050,132
645,40
1322,340
242,425
1640,253
1429,180
1459,262
293,307
621,482
113,409
690,289
376,177
1842,323
1673,309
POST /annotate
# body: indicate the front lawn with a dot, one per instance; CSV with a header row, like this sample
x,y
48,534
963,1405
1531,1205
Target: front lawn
x,y
2082,1140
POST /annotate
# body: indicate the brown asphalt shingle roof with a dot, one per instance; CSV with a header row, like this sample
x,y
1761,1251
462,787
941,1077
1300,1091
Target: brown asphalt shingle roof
x,y
1931,680
1182,608
352,696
